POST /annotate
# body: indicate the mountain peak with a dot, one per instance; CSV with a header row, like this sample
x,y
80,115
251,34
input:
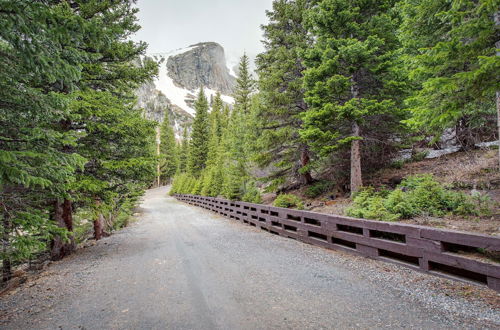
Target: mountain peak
x,y
181,73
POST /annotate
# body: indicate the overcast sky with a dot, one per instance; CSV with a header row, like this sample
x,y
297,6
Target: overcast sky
x,y
172,24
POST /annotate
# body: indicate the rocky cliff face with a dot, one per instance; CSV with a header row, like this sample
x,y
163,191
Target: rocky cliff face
x,y
204,65
155,103
181,73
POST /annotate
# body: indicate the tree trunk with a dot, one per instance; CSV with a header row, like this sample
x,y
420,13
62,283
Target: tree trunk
x,y
63,217
497,44
463,134
56,248
356,177
498,124
99,227
304,161
158,141
6,264
70,246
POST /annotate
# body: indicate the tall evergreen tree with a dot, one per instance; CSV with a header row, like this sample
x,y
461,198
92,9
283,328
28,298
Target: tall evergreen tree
x,y
280,70
237,137
198,146
450,48
353,83
184,151
245,85
118,144
37,74
66,70
169,158
109,72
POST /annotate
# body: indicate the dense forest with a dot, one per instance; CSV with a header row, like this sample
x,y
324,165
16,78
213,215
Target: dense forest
x,y
341,87
71,139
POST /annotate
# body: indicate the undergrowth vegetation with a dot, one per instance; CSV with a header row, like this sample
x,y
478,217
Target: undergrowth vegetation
x,y
416,195
288,201
318,188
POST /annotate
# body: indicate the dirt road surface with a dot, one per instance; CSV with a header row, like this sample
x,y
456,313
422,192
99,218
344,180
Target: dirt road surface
x,y
181,267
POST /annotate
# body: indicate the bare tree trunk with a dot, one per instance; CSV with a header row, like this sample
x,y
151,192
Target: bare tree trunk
x,y
158,142
304,161
68,222
56,248
99,227
497,44
63,217
464,135
6,264
98,221
498,124
356,176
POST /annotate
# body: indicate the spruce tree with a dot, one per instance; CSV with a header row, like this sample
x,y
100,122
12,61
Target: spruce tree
x,y
236,139
117,141
184,151
280,69
211,174
169,160
198,146
353,81
68,75
119,145
450,48
245,85
39,68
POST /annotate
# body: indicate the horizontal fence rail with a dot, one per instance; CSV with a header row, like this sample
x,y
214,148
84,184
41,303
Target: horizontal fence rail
x,y
445,253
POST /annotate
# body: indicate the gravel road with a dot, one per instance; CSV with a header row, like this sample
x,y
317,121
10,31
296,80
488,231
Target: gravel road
x,y
181,267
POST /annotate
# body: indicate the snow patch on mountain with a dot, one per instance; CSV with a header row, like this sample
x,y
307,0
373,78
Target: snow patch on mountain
x,y
179,95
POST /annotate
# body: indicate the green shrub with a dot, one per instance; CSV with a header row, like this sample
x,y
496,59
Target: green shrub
x,y
318,188
288,201
416,195
399,205
397,164
251,193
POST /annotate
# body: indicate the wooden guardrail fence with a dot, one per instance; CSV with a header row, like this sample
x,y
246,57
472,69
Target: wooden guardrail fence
x,y
447,253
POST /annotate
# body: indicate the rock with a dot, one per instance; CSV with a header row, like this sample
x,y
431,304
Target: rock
x,y
204,65
268,198
182,72
155,103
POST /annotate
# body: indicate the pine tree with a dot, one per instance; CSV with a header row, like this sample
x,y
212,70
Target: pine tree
x,y
37,74
352,80
198,146
110,75
119,146
236,139
245,85
280,70
66,71
211,178
169,161
184,151
450,48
